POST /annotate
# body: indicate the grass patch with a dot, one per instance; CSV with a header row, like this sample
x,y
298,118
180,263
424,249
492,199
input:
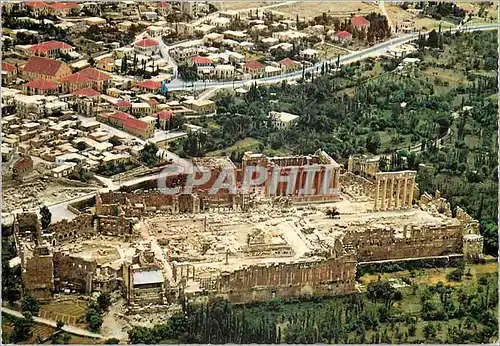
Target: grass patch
x,y
246,144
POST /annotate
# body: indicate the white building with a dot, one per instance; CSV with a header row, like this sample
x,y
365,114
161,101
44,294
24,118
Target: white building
x,y
283,120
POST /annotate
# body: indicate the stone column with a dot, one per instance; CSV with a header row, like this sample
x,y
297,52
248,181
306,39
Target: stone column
x,y
336,183
398,192
410,195
405,185
376,195
384,193
389,204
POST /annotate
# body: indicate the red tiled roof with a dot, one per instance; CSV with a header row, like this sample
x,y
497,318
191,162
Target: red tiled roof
x,y
153,102
45,66
149,84
344,34
36,4
254,65
23,163
49,45
106,60
42,84
167,115
135,123
7,67
286,61
76,77
199,60
63,5
123,103
147,42
85,92
357,21
95,74
119,116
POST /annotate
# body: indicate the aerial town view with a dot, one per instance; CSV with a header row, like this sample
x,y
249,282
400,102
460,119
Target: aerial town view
x,y
249,172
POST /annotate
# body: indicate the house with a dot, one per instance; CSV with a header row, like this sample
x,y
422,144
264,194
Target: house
x,y
130,124
406,26
289,35
200,61
147,46
309,54
164,117
50,49
94,21
254,68
200,106
64,9
45,68
151,16
40,87
106,64
288,65
23,166
343,36
149,86
87,78
271,71
235,35
213,38
9,73
224,72
283,120
360,23
86,101
63,170
38,8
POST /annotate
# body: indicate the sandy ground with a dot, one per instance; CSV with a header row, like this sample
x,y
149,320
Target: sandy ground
x,y
38,193
113,326
229,5
341,9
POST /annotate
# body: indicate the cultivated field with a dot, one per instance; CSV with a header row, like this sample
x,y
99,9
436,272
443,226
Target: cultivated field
x,y
341,9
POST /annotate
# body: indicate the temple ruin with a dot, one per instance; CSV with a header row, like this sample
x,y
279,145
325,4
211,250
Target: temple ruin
x,y
159,249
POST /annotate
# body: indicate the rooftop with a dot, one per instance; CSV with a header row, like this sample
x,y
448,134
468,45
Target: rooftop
x,y
148,277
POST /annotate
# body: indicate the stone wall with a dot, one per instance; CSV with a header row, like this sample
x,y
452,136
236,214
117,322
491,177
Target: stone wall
x,y
375,244
284,280
37,274
115,225
80,226
356,186
74,273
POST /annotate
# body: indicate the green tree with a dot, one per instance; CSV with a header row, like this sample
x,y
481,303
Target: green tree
x,y
104,301
94,319
46,216
148,154
373,143
30,304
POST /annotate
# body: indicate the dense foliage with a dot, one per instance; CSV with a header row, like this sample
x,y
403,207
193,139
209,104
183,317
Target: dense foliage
x,y
379,316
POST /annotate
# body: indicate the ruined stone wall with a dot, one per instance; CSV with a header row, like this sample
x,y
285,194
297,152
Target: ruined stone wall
x,y
115,225
81,226
38,274
73,272
262,282
471,226
27,224
419,241
356,185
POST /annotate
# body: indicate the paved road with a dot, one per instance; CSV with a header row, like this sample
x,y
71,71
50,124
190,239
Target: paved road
x,y
66,328
378,49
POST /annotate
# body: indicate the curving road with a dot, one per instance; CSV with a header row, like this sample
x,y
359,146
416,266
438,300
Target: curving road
x,y
67,328
178,84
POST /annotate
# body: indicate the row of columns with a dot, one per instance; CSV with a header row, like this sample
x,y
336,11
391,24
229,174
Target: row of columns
x,y
403,186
